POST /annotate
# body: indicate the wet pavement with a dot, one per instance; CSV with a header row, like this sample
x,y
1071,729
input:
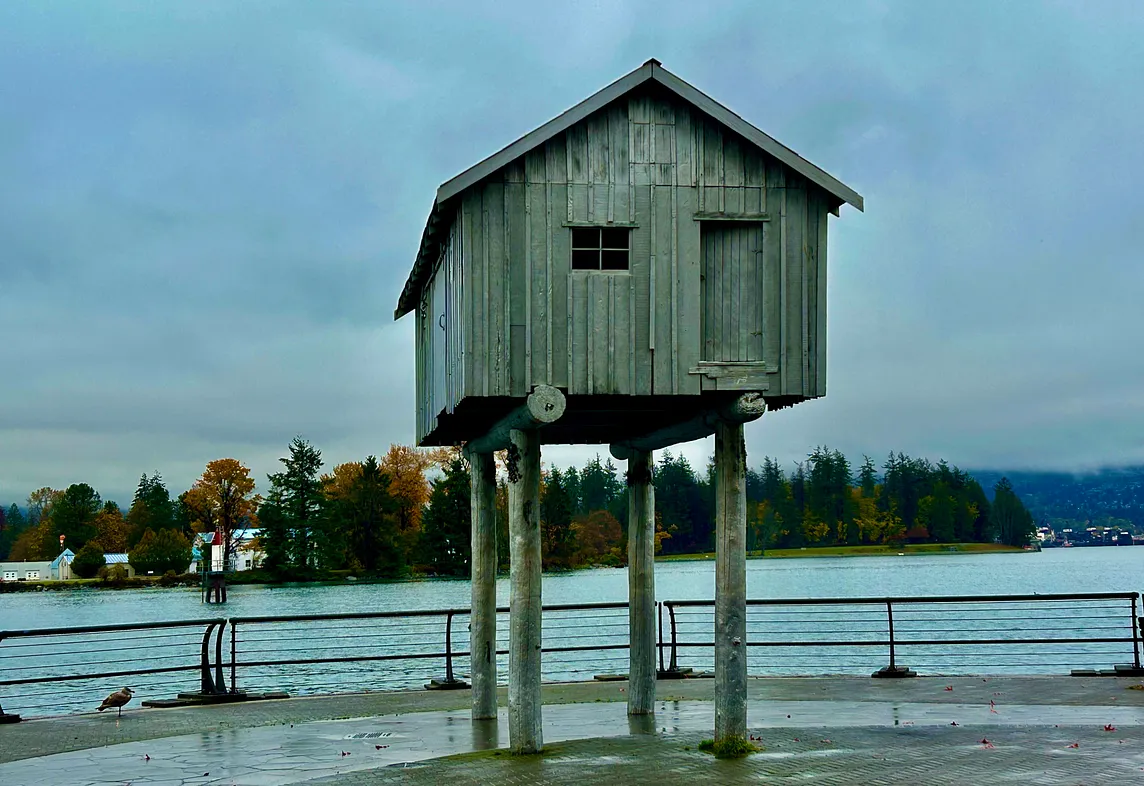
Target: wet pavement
x,y
844,730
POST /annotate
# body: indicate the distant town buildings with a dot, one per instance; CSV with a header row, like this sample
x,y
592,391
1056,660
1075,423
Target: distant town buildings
x,y
58,569
1087,536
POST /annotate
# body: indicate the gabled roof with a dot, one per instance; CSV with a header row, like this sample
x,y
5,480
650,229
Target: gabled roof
x,y
651,71
65,554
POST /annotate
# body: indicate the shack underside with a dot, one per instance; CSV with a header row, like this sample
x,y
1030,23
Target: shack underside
x,y
588,419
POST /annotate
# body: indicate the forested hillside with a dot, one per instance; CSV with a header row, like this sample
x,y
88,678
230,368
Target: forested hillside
x,y
1108,497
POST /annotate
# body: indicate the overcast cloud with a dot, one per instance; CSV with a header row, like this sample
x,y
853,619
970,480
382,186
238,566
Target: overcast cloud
x,y
207,210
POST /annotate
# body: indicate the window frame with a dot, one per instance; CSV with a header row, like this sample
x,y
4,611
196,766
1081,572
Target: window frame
x,y
605,244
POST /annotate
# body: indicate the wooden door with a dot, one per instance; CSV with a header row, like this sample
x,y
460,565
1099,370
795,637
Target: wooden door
x,y
732,298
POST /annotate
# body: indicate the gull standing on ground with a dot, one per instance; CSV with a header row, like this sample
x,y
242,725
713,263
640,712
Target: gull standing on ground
x,y
117,700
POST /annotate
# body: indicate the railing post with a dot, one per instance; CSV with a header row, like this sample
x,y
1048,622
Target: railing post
x,y
893,670
1137,624
220,684
449,683
672,672
890,620
206,683
6,717
659,614
674,640
449,647
233,658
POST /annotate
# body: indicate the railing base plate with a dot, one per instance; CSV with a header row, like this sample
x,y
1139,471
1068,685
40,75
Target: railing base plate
x,y
213,698
9,718
446,685
894,672
1128,671
674,674
197,699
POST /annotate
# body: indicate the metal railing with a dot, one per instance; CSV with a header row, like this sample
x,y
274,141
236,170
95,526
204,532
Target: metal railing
x,y
58,670
957,634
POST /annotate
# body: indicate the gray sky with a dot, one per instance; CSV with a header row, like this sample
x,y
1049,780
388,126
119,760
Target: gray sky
x,y
207,211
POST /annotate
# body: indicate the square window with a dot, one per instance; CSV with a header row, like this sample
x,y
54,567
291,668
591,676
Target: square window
x,y
585,259
601,248
614,259
614,238
585,237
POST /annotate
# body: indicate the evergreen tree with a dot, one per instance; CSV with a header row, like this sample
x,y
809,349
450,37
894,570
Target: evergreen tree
x,y
680,504
160,553
800,518
297,505
983,529
88,561
365,516
151,508
556,521
599,486
73,516
1014,524
274,533
868,478
446,528
15,525
571,483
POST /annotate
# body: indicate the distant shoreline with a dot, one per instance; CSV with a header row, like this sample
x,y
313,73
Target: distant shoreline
x,y
192,582
858,551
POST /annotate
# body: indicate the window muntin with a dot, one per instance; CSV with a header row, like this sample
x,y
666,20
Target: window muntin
x,y
601,248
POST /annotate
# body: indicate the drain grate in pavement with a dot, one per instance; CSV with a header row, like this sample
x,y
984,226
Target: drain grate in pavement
x,y
369,735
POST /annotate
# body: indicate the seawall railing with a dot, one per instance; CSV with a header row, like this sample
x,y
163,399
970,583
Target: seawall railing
x,y
49,671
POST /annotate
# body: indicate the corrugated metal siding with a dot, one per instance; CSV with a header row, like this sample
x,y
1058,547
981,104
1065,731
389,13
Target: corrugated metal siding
x,y
519,316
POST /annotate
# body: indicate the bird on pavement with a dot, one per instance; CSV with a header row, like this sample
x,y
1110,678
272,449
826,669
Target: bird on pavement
x,y
117,700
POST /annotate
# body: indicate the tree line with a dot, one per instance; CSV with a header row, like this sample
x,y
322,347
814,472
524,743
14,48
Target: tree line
x,y
409,512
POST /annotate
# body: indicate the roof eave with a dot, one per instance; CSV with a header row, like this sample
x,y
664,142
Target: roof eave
x,y
765,142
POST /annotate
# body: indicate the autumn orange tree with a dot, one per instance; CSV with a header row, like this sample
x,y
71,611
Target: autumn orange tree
x,y
405,467
111,529
224,499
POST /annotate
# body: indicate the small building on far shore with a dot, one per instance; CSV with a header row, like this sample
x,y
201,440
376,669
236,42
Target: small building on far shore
x,y
111,560
61,566
25,570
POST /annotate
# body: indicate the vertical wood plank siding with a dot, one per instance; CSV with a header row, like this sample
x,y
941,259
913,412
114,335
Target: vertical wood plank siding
x,y
728,264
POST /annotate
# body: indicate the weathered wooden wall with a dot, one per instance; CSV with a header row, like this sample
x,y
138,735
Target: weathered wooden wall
x,y
683,183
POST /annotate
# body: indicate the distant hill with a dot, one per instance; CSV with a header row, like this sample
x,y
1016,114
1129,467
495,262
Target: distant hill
x,y
1096,497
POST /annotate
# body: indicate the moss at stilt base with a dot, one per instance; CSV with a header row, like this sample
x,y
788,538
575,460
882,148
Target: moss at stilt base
x,y
730,748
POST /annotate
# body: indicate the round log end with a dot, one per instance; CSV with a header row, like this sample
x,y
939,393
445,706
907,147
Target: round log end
x,y
620,452
546,404
747,407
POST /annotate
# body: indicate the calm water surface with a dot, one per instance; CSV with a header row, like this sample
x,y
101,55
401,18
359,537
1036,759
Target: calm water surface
x,y
1109,569
1056,571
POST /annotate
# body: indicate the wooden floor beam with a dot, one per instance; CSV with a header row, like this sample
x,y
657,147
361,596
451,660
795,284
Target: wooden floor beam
x,y
544,405
745,408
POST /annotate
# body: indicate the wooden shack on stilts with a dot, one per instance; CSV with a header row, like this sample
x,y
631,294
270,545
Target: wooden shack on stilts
x,y
643,270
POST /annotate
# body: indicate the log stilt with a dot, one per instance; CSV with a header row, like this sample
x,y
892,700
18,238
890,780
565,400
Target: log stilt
x,y
641,585
483,620
730,583
524,703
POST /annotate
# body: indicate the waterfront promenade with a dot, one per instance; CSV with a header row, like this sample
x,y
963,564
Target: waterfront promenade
x,y
813,730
